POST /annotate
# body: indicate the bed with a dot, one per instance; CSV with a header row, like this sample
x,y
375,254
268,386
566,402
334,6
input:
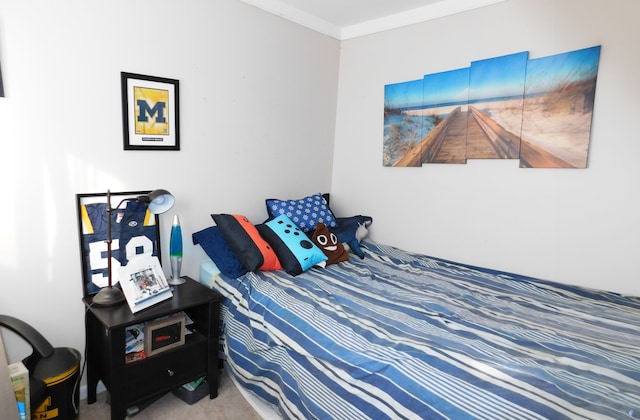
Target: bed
x,y
391,334
402,335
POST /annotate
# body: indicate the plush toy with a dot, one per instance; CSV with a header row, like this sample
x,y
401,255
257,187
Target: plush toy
x,y
351,230
329,244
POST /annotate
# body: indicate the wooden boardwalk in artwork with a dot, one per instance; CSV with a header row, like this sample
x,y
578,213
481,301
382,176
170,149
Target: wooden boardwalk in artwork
x,y
474,135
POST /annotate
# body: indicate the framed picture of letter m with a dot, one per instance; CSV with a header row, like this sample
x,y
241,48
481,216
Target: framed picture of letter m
x,y
150,112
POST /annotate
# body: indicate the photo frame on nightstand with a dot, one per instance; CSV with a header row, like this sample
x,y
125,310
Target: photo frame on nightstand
x,y
134,230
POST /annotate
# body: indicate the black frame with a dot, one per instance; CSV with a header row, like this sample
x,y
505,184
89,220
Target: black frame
x,y
169,140
88,288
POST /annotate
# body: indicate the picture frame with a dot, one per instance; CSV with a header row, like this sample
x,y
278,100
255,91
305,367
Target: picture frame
x,y
164,334
150,112
146,278
143,282
141,230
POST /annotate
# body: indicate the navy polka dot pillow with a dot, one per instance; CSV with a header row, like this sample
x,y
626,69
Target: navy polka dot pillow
x,y
305,212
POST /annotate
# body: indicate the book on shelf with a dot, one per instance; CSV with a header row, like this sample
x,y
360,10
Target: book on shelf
x,y
143,283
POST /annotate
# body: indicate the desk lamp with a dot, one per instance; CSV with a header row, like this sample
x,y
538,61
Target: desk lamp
x,y
159,201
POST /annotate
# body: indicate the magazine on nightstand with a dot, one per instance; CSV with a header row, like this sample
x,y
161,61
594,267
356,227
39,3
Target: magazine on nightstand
x,y
143,283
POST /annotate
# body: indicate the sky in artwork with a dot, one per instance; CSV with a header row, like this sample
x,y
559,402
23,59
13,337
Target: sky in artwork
x,y
499,77
548,73
403,95
494,78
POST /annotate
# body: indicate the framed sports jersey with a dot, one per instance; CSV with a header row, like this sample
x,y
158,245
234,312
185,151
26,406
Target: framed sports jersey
x,y
134,232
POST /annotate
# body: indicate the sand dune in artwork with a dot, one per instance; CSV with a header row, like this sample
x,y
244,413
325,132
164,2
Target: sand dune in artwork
x,y
563,131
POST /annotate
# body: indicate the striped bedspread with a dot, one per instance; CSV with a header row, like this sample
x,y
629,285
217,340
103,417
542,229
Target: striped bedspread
x,y
400,335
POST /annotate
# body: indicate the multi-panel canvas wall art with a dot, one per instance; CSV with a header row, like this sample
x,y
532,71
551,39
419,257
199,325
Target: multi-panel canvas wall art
x,y
510,107
404,127
560,91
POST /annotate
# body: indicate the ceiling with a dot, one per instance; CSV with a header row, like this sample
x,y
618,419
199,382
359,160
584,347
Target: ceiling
x,y
344,19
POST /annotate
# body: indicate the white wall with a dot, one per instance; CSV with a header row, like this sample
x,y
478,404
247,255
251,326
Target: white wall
x,y
577,226
257,97
258,113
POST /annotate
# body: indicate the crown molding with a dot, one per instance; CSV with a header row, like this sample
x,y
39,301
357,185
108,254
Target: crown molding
x,y
298,16
409,17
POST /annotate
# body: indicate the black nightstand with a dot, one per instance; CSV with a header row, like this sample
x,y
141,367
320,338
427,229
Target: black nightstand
x,y
133,383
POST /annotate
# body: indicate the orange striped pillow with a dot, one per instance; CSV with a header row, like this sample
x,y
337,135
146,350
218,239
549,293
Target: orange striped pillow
x,y
245,240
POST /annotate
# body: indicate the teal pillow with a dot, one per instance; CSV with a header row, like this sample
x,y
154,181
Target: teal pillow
x,y
296,252
304,212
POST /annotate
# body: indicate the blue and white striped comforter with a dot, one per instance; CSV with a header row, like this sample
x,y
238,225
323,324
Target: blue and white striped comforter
x,y
400,335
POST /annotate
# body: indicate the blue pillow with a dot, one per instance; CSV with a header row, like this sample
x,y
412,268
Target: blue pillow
x,y
217,248
296,252
305,212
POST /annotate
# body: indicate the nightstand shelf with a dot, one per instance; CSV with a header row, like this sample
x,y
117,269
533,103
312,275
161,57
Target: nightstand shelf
x,y
133,383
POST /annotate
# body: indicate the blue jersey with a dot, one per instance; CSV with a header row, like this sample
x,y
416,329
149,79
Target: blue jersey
x,y
133,232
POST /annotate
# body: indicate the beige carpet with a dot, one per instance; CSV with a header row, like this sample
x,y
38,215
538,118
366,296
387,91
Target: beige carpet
x,y
229,404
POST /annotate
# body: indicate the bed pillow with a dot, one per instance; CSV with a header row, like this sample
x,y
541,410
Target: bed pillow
x,y
304,212
243,237
296,252
329,244
218,249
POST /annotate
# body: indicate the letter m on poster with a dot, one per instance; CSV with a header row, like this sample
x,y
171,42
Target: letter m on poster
x,y
151,111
